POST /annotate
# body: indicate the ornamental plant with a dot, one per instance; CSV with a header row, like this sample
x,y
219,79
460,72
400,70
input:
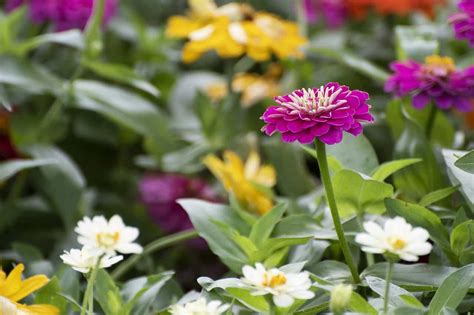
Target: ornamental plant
x,y
236,157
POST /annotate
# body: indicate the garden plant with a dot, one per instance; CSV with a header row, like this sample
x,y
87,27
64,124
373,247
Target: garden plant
x,y
207,157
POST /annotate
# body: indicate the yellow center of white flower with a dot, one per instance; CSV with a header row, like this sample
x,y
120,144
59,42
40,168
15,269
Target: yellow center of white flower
x,y
107,239
273,281
397,243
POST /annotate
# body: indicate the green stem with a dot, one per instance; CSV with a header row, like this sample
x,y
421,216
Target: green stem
x,y
17,188
431,121
151,248
368,256
88,301
331,199
388,278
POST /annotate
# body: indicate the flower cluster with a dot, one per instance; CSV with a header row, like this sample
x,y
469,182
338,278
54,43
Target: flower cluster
x,y
101,240
64,14
359,8
323,113
233,30
253,87
333,12
397,238
436,80
243,180
13,289
284,287
199,307
463,21
160,192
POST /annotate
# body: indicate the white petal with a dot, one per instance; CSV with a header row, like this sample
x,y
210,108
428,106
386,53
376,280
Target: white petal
x,y
129,234
408,257
368,240
283,300
374,250
303,295
116,222
129,248
374,229
419,249
418,235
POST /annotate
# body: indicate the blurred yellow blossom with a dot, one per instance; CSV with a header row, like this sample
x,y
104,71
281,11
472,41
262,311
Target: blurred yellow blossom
x,y
14,289
233,30
253,87
247,182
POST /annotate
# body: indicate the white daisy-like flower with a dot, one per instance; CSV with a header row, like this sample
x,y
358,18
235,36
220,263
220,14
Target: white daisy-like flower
x,y
83,260
396,237
108,237
199,307
285,287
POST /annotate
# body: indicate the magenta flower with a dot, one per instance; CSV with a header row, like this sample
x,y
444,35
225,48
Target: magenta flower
x,y
64,14
323,113
463,21
436,80
160,192
333,12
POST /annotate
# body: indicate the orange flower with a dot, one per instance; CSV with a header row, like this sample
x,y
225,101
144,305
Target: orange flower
x,y
359,8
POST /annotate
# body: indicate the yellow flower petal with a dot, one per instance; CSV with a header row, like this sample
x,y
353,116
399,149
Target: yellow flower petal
x,y
37,309
12,284
29,286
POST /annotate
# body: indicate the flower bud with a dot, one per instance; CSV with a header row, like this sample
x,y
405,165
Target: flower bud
x,y
340,297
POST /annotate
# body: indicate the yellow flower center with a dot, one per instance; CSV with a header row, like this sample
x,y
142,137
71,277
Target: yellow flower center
x,y
107,239
438,65
273,281
397,243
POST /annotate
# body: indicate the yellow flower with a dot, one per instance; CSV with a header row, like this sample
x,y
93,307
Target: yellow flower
x,y
267,34
246,181
233,30
253,87
14,289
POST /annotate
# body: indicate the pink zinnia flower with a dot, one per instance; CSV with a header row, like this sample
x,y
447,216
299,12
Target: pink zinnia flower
x,y
323,113
333,12
436,80
159,194
64,14
463,21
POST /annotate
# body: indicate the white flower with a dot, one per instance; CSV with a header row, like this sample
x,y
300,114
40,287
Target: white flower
x,y
285,287
108,237
84,260
397,237
340,297
199,307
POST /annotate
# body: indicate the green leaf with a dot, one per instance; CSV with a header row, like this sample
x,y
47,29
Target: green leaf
x,y
201,214
417,180
72,38
128,109
273,244
263,227
461,235
121,73
245,244
416,42
49,294
28,253
140,293
293,178
359,305
332,271
414,278
11,167
4,99
452,290
27,76
437,195
356,194
378,286
422,217
93,31
355,153
354,62
411,301
108,294
458,176
466,162
255,302
388,168
62,182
